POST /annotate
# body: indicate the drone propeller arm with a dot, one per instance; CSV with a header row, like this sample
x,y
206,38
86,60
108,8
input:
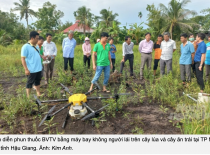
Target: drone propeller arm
x,y
66,89
88,107
99,98
93,114
47,116
116,96
49,101
61,109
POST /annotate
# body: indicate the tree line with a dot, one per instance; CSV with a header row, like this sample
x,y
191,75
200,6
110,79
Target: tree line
x,y
174,18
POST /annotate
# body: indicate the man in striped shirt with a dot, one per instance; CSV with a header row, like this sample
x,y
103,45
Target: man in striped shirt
x,y
127,54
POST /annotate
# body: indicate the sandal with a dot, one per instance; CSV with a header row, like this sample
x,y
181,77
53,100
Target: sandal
x,y
89,92
106,91
40,95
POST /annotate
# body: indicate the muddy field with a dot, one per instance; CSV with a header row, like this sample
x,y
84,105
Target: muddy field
x,y
140,118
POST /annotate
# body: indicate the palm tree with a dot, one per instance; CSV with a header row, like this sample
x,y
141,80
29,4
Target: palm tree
x,y
107,17
96,21
23,7
175,15
140,15
84,16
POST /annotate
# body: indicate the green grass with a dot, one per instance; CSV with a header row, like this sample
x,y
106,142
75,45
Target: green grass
x,y
166,91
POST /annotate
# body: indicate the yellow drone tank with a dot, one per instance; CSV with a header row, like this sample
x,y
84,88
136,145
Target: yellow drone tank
x,y
77,110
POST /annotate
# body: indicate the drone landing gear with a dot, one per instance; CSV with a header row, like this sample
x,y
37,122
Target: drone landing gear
x,y
93,114
66,119
38,102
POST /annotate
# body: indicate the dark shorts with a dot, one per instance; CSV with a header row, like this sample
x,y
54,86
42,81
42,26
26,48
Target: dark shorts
x,y
33,78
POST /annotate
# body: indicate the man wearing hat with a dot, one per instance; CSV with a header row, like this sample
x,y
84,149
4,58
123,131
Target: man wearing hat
x,y
86,47
68,46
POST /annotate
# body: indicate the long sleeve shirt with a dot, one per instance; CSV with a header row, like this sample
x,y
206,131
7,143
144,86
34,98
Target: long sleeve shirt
x,y
68,47
146,46
127,49
86,48
49,48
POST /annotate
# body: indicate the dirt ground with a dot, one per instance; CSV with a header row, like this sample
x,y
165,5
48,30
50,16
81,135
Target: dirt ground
x,y
146,116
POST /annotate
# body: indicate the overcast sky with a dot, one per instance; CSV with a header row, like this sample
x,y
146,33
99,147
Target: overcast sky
x,y
127,9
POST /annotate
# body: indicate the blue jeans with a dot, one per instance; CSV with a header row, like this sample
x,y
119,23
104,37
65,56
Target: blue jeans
x,y
99,70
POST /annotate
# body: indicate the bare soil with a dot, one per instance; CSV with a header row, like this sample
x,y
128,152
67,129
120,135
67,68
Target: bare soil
x,y
146,116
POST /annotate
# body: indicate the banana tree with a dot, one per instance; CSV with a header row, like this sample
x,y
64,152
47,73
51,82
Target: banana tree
x,y
114,30
97,32
136,32
59,37
5,38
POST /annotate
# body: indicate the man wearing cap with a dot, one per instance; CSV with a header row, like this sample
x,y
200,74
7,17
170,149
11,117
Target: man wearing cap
x,y
86,47
68,46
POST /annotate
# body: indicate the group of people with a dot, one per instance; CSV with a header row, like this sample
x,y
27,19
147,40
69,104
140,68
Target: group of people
x,y
32,55
194,54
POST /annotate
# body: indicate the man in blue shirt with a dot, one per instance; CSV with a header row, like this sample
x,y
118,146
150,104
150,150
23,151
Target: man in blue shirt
x,y
68,46
112,52
199,59
185,61
31,61
207,61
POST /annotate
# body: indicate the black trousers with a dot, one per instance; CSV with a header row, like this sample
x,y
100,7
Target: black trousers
x,y
129,57
71,63
156,64
193,67
33,78
113,64
199,75
86,59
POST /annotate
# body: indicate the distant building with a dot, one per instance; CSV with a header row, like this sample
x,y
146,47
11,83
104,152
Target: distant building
x,y
75,27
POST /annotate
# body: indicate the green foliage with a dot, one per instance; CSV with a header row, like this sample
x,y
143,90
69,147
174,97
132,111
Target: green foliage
x,y
48,18
11,29
175,15
5,38
173,18
136,32
138,131
206,19
97,32
58,38
155,20
107,17
62,27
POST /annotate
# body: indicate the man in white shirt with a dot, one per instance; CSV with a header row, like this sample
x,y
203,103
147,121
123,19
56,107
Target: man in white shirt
x,y
50,50
168,46
127,55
